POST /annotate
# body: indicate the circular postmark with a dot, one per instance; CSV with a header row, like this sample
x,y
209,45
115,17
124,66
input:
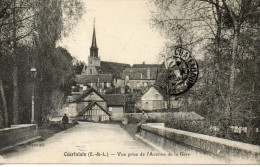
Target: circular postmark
x,y
182,71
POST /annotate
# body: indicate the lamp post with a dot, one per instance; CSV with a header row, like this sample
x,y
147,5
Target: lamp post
x,y
33,76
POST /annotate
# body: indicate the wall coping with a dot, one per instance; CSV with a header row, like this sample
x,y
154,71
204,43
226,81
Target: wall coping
x,y
243,146
17,127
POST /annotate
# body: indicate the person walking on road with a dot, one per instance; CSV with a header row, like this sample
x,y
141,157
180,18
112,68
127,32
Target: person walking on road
x,y
143,120
65,120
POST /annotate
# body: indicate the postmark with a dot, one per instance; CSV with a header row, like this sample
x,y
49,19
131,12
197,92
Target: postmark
x,y
182,71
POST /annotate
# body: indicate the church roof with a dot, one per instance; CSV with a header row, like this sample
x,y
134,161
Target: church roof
x,y
84,79
112,68
94,40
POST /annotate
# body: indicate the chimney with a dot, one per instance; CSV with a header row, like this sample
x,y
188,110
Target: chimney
x,y
148,73
143,63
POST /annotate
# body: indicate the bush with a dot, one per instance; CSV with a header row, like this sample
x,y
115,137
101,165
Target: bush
x,y
48,130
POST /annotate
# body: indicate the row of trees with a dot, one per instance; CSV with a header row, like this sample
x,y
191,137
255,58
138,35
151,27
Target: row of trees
x,y
29,32
226,34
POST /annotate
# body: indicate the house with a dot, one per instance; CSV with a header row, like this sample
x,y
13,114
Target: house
x,y
116,105
99,82
141,76
90,106
94,112
93,106
156,99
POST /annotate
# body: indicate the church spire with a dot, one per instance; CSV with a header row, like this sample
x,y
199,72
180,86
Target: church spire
x,y
94,41
94,48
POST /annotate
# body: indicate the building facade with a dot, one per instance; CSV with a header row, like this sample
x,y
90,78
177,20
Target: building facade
x,y
156,99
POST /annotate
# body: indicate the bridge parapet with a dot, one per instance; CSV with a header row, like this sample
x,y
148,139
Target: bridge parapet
x,y
232,150
17,135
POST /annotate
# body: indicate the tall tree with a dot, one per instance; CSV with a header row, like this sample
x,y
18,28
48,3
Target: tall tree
x,y
223,30
50,20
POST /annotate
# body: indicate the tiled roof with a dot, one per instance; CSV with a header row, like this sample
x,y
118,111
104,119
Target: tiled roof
x,y
148,65
113,68
86,93
114,99
83,79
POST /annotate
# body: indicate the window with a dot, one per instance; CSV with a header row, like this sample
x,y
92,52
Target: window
x,y
156,95
145,84
90,61
90,71
138,84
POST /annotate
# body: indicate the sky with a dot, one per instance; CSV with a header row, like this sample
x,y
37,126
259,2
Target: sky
x,y
123,32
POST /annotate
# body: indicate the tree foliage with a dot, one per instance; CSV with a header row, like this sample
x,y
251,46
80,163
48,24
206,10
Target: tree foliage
x,y
225,35
29,32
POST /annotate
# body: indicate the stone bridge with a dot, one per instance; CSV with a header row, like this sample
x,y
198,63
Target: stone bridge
x,y
100,143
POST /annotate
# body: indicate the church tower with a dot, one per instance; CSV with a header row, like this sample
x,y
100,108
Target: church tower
x,y
94,59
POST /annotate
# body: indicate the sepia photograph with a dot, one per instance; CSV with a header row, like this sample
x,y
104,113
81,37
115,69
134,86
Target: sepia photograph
x,y
130,82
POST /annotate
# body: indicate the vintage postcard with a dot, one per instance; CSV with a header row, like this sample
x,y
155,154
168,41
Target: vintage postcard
x,y
129,82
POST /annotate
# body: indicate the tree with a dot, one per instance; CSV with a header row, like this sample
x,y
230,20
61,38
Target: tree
x,y
49,20
227,33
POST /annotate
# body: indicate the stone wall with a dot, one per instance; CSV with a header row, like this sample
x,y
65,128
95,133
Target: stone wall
x,y
233,150
17,134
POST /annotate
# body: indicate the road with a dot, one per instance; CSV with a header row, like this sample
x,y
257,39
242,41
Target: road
x,y
100,143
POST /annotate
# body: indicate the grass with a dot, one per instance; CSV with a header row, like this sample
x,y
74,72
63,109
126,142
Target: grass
x,y
48,130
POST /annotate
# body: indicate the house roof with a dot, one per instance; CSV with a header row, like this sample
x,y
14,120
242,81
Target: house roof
x,y
113,68
148,65
86,93
161,91
89,106
114,99
84,79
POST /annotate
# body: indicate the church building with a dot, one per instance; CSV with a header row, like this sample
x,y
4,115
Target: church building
x,y
100,75
104,76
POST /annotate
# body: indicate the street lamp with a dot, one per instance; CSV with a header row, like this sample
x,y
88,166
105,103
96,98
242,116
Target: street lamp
x,y
33,76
